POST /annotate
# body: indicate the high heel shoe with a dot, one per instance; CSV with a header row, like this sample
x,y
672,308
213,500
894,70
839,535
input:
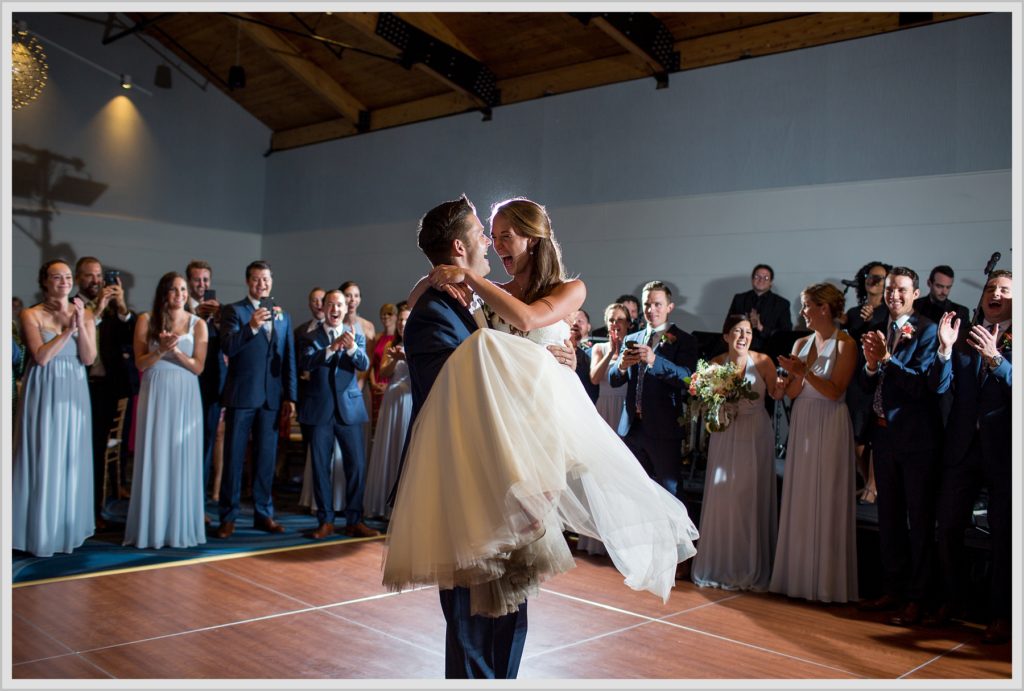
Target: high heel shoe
x,y
867,495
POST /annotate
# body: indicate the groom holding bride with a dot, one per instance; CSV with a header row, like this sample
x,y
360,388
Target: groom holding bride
x,y
504,455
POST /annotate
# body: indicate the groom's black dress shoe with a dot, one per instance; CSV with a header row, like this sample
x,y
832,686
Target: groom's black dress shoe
x,y
879,604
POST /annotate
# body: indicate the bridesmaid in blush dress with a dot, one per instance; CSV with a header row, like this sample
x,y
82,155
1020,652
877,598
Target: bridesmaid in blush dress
x,y
738,524
166,508
51,474
816,557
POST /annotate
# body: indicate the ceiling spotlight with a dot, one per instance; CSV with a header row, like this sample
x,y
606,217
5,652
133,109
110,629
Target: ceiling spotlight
x,y
162,78
126,81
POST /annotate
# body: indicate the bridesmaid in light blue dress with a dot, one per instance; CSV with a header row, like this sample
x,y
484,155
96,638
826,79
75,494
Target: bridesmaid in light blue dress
x,y
51,475
738,524
166,508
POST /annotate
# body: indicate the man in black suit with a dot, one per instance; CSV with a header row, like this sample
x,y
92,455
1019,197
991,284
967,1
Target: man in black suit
x,y
978,369
113,375
654,363
904,434
937,302
203,302
769,313
579,334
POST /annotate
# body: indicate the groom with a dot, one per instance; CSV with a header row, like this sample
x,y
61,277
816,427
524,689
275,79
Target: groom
x,y
476,647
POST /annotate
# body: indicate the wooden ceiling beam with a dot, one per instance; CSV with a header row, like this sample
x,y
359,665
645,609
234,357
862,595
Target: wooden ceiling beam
x,y
766,39
428,23
310,74
629,30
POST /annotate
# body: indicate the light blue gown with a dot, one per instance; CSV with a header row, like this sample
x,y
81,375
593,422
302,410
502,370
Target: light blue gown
x,y
388,441
166,508
51,477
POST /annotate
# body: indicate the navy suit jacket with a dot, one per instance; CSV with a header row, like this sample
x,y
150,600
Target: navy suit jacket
x,y
260,372
332,382
436,327
665,391
981,404
911,408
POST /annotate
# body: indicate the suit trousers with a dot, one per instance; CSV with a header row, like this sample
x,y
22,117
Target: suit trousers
x,y
262,422
906,516
478,647
958,490
211,420
321,445
661,457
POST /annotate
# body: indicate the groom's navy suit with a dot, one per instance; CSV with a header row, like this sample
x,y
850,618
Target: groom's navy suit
x,y
261,374
332,409
476,647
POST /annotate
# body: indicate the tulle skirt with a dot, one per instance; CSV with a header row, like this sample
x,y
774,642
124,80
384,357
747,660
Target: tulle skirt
x,y
507,452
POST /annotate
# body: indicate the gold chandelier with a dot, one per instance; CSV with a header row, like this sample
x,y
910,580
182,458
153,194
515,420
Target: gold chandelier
x,y
28,67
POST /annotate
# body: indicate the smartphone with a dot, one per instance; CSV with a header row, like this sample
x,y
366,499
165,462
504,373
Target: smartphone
x,y
632,345
267,303
209,294
110,277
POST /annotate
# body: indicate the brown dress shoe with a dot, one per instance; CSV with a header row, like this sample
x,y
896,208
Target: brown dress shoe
x,y
225,530
361,530
908,616
997,632
942,616
268,525
879,604
325,530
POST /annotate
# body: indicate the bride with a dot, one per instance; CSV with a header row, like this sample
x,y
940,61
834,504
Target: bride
x,y
508,450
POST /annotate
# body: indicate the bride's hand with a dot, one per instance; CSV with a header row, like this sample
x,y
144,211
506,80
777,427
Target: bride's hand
x,y
446,274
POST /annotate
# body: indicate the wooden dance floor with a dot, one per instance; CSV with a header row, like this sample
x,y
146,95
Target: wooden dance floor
x,y
321,613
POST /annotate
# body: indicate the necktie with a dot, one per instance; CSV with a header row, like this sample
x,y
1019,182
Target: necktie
x,y
876,400
640,375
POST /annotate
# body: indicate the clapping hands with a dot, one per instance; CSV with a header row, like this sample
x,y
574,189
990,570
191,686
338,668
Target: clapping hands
x,y
875,349
343,342
168,341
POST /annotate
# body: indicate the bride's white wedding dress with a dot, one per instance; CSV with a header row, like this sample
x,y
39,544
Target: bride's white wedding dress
x,y
506,453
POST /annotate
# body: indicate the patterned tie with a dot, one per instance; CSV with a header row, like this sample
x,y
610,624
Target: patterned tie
x,y
641,375
890,343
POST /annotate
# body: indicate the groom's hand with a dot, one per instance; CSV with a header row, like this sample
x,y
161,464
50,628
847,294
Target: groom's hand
x,y
565,354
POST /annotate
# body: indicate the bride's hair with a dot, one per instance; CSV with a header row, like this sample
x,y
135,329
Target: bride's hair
x,y
530,220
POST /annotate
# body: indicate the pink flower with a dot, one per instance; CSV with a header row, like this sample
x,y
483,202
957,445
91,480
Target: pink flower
x,y
907,331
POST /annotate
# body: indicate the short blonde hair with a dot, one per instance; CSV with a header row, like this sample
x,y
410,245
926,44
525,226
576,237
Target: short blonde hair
x,y
826,294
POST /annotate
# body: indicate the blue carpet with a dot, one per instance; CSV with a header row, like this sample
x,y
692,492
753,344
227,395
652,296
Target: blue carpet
x,y
104,551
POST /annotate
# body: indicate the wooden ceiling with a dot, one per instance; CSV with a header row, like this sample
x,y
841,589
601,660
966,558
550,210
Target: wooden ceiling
x,y
315,76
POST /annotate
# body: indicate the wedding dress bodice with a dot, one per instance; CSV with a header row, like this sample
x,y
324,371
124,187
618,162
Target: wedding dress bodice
x,y
553,334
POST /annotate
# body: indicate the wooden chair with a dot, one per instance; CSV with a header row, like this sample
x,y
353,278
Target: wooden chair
x,y
112,456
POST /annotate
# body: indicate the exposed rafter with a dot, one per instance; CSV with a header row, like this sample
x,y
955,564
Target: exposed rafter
x,y
321,83
425,46
643,35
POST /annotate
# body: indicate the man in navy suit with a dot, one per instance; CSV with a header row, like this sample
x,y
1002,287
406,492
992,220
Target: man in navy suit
x,y
904,434
978,370
654,362
332,409
260,389
476,647
199,275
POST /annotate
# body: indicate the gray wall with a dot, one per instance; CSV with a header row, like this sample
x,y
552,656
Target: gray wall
x,y
895,147
184,169
815,161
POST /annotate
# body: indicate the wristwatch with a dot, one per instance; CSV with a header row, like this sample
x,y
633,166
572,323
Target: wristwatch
x,y
995,361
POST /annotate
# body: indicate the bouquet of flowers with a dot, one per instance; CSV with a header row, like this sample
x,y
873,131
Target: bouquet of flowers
x,y
719,388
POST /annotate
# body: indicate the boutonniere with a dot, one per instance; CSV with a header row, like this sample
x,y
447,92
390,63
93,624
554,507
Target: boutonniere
x,y
907,331
1007,341
278,313
667,337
